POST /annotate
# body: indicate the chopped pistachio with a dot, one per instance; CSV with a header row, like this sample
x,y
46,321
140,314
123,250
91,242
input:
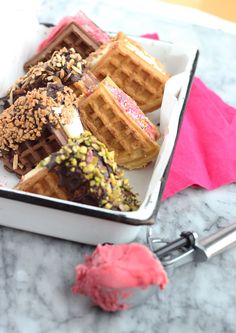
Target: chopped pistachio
x,y
89,168
108,206
73,162
58,160
88,157
83,149
82,164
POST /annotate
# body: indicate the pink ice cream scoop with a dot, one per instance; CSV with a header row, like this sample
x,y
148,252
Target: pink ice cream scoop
x,y
111,276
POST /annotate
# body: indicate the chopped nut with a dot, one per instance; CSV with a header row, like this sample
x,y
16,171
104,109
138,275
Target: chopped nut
x,y
97,173
15,162
59,69
26,118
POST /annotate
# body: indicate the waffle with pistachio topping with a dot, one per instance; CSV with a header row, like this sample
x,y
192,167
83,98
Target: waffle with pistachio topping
x,y
82,171
64,67
35,126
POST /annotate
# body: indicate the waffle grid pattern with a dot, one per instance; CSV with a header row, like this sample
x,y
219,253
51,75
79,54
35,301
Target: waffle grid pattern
x,y
71,36
137,79
103,117
44,183
30,153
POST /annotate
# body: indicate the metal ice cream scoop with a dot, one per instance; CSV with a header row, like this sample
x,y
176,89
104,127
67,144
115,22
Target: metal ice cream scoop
x,y
187,248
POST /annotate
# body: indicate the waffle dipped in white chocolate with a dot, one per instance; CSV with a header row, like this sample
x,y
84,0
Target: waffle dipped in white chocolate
x,y
36,125
116,120
136,72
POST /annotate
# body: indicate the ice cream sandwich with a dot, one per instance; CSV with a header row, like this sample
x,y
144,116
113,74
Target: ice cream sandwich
x,y
78,32
136,72
64,67
116,120
82,171
36,125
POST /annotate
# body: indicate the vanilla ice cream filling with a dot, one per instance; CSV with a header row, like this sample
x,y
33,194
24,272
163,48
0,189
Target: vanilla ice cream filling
x,y
74,128
145,56
98,56
94,59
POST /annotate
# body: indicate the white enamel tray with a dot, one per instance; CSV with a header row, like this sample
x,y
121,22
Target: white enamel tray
x,y
92,225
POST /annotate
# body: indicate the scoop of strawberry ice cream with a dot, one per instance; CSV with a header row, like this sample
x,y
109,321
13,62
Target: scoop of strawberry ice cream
x,y
111,269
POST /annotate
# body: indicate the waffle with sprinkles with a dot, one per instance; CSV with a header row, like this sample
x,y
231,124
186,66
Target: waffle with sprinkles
x,y
82,171
138,74
34,126
116,120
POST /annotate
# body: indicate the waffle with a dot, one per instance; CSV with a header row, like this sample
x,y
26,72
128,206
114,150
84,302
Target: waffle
x,y
82,171
36,125
123,61
44,182
30,153
87,82
102,115
71,36
65,67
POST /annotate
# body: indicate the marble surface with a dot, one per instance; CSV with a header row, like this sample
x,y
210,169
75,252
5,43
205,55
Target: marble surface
x,y
36,272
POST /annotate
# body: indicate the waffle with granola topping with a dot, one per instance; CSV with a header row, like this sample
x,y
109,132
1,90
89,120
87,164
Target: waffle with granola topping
x,y
64,67
36,125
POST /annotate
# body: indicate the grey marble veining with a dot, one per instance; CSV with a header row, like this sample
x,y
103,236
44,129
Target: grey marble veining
x,y
36,272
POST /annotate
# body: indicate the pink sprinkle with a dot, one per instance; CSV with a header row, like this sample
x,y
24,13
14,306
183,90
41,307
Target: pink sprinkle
x,y
89,156
129,106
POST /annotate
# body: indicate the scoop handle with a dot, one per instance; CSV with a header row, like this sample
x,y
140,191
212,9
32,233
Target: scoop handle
x,y
216,243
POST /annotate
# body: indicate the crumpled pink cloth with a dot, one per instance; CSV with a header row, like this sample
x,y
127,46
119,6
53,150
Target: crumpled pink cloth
x,y
205,154
84,22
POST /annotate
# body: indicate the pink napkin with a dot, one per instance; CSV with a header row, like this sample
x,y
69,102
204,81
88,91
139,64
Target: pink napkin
x,y
84,22
151,36
205,152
